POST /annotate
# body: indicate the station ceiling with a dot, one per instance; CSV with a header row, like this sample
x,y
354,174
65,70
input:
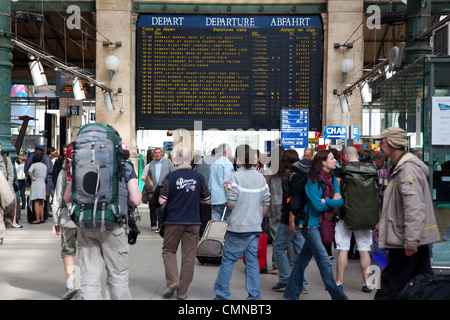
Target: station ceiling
x,y
45,27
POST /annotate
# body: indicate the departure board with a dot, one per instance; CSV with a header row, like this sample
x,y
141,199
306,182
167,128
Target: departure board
x,y
64,87
230,72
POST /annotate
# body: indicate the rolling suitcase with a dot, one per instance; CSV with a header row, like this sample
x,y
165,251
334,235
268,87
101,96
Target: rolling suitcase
x,y
262,252
211,244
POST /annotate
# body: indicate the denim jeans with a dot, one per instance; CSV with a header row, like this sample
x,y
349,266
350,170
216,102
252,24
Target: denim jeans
x,y
283,239
22,188
233,249
313,247
217,212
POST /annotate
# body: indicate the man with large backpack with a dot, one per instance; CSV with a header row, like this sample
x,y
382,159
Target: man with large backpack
x,y
100,191
359,214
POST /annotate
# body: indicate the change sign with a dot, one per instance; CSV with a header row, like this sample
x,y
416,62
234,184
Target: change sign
x,y
335,133
341,132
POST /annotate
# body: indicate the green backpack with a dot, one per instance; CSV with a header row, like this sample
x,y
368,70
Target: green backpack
x,y
99,190
359,189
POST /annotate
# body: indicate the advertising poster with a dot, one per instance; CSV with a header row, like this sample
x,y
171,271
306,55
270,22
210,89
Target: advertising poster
x,y
440,121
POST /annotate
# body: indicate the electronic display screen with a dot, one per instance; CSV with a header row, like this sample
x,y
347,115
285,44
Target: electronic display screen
x,y
64,85
230,72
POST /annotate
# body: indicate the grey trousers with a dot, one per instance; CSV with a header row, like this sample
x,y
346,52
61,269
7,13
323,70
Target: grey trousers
x,y
110,251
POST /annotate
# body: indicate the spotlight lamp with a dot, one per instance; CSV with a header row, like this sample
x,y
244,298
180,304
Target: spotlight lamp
x,y
78,89
108,101
344,104
37,73
366,92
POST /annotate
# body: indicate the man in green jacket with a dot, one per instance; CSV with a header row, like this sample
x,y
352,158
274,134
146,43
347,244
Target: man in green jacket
x,y
407,223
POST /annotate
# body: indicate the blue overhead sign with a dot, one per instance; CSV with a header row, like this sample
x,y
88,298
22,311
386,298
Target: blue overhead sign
x,y
167,145
294,128
355,133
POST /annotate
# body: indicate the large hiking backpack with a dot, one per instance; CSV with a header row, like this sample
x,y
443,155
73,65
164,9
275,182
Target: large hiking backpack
x,y
99,191
297,194
359,189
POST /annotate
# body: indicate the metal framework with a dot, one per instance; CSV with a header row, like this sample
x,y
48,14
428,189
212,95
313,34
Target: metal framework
x,y
52,62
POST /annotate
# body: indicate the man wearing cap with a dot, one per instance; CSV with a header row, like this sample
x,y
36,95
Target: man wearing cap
x,y
407,223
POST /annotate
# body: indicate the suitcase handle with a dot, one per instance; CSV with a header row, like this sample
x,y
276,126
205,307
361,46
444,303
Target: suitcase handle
x,y
224,211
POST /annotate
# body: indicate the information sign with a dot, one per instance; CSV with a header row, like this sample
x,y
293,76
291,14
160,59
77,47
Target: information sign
x,y
294,129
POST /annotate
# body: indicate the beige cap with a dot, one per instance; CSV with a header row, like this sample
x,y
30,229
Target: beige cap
x,y
396,137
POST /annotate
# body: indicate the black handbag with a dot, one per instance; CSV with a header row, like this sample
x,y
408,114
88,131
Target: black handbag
x,y
146,194
153,203
163,220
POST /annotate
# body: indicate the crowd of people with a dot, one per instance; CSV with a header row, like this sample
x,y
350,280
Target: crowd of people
x,y
305,204
35,172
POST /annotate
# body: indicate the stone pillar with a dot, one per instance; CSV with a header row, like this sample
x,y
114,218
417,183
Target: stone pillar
x,y
5,78
342,19
116,22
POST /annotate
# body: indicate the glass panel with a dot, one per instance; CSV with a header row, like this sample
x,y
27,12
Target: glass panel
x,y
437,84
406,101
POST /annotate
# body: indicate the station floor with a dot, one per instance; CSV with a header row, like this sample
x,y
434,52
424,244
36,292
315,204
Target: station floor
x,y
32,269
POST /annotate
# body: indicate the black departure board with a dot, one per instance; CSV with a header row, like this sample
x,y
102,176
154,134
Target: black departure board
x,y
64,85
229,72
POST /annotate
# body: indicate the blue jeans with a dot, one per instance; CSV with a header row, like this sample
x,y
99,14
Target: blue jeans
x,y
313,247
283,239
217,212
22,189
233,249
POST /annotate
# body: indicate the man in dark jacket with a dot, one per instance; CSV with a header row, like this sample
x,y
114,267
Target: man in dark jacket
x,y
181,192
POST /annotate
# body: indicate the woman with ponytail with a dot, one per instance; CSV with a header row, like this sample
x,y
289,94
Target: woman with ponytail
x,y
322,190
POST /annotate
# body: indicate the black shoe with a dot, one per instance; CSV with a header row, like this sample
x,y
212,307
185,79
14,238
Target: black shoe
x,y
279,287
366,289
132,237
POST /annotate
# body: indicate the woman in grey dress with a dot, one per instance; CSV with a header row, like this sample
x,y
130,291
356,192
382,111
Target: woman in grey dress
x,y
37,173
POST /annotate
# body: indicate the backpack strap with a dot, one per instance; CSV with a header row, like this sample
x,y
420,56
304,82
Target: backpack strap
x,y
94,208
93,152
81,220
102,227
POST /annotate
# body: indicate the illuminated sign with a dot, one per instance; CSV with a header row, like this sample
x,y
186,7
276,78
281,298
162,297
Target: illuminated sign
x,y
64,85
230,72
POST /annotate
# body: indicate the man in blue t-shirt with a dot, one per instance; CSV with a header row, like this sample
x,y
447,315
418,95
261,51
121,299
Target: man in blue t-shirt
x,y
219,174
182,191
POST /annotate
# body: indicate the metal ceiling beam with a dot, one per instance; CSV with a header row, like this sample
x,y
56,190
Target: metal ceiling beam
x,y
52,62
429,31
52,6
